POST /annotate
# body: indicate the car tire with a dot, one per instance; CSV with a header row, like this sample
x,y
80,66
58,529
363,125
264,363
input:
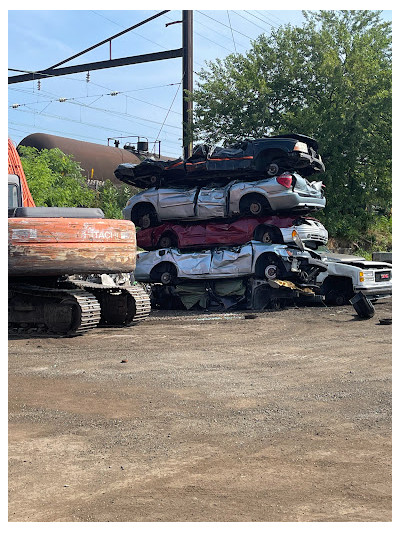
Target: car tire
x,y
167,241
269,266
271,271
145,221
336,298
166,278
144,216
268,235
253,205
164,273
273,169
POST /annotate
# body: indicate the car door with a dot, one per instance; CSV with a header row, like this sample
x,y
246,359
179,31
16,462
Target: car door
x,y
176,203
233,263
191,265
211,203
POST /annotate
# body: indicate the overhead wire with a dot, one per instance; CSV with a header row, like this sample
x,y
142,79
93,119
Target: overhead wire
x,y
255,16
219,22
68,119
230,25
113,93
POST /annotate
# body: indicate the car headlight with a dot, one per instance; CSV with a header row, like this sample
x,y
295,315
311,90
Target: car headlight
x,y
364,276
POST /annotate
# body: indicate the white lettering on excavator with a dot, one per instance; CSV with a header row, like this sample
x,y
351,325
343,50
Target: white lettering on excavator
x,y
93,233
89,233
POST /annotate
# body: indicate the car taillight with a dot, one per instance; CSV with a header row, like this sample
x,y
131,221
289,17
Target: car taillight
x,y
285,180
301,147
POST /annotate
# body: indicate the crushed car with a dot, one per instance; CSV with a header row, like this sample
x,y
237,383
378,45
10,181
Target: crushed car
x,y
271,229
278,194
347,275
269,156
263,261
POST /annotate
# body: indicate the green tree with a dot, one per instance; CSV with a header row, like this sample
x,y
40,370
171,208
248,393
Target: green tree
x,y
54,178
330,79
112,199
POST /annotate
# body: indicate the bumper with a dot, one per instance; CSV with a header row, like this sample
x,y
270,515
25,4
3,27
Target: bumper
x,y
375,292
295,202
301,160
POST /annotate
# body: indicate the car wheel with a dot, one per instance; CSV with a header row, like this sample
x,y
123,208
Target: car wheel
x,y
145,221
165,273
167,241
267,237
273,169
270,266
253,205
271,236
255,208
271,271
336,298
166,278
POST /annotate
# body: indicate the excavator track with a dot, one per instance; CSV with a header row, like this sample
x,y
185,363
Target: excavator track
x,y
120,305
48,310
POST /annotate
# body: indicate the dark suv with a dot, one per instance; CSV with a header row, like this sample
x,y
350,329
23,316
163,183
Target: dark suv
x,y
248,159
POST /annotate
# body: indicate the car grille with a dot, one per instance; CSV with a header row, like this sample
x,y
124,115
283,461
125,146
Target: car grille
x,y
383,276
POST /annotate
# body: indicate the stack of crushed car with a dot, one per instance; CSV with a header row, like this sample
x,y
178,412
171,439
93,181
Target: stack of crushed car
x,y
227,227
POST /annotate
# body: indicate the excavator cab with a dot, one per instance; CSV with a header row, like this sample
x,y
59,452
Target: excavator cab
x,y
14,194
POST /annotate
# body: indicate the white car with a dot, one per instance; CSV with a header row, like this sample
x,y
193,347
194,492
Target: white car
x,y
346,275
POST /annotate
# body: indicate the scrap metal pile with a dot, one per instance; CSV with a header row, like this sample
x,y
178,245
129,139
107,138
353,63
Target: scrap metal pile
x,y
225,228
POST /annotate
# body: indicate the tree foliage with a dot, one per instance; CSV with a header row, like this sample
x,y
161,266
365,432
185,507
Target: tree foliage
x,y
55,180
112,199
330,79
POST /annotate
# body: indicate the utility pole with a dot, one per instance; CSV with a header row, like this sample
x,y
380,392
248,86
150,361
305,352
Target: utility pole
x,y
187,79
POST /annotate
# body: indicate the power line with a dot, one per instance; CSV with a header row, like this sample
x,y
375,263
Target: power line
x,y
219,35
82,137
162,125
115,113
68,119
97,126
219,22
273,15
230,25
255,16
113,93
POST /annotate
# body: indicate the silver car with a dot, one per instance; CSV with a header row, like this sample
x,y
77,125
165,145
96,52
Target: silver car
x,y
264,261
287,192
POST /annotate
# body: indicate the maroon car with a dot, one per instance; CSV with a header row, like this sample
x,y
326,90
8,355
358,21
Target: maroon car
x,y
271,229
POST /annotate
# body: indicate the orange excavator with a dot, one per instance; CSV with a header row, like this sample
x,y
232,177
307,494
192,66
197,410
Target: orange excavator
x,y
52,250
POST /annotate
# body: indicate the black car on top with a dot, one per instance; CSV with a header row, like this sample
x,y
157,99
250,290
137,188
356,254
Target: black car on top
x,y
246,159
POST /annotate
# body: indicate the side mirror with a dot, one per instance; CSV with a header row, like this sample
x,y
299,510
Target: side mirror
x,y
297,240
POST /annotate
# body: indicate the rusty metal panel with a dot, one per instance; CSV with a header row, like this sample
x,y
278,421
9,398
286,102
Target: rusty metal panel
x,y
70,246
41,259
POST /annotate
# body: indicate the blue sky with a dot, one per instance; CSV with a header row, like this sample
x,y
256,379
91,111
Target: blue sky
x,y
149,99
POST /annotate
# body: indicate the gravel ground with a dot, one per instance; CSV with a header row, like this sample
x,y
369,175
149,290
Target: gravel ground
x,y
205,417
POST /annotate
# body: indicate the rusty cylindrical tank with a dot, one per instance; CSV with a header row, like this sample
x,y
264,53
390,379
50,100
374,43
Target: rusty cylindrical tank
x,y
97,161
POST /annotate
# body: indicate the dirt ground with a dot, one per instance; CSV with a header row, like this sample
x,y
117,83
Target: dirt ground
x,y
207,417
